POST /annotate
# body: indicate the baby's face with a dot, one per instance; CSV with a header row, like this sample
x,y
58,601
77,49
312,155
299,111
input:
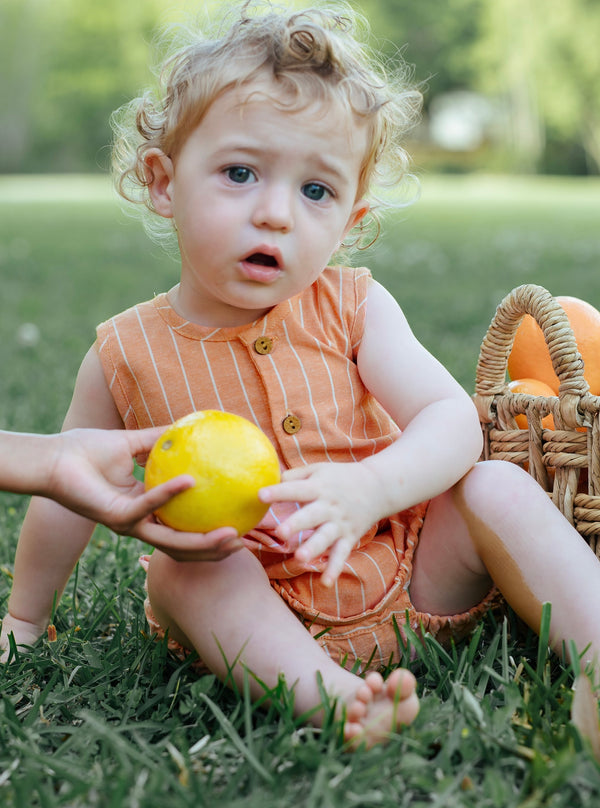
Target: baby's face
x,y
262,198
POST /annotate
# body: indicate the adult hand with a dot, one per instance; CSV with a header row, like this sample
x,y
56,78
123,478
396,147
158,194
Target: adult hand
x,y
92,474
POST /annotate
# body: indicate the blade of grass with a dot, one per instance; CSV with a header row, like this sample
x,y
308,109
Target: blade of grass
x,y
236,740
544,640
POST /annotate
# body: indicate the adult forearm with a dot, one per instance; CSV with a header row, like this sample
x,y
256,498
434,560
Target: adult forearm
x,y
25,461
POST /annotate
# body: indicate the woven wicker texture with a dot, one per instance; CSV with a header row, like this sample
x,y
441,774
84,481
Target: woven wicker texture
x,y
565,461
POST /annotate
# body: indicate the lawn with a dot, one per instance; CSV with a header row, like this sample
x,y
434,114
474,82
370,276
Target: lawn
x,y
106,717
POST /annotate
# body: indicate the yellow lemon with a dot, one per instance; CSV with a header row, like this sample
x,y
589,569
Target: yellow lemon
x,y
230,458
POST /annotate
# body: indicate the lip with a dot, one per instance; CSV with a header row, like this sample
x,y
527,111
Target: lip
x,y
267,272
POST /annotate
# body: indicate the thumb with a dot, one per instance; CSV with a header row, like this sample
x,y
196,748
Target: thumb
x,y
142,440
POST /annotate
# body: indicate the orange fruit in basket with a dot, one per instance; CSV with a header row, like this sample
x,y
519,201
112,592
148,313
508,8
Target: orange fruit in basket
x,y
230,458
530,357
532,387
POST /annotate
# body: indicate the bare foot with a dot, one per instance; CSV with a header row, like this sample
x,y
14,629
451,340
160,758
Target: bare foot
x,y
25,633
380,707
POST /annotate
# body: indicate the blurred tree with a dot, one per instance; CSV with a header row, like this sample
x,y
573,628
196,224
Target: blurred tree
x,y
22,46
540,58
543,56
505,55
65,65
569,78
69,64
437,38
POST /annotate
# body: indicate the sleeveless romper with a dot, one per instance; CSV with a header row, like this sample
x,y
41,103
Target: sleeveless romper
x,y
293,373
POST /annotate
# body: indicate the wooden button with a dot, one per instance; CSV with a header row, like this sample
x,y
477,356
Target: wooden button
x,y
263,345
292,424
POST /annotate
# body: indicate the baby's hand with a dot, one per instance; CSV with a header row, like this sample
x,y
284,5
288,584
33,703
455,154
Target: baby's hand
x,y
342,501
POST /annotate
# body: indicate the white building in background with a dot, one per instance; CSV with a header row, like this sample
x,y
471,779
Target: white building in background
x,y
462,121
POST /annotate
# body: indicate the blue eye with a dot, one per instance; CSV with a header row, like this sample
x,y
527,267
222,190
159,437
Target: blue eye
x,y
315,191
239,174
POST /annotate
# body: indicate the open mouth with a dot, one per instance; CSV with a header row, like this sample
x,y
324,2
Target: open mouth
x,y
262,259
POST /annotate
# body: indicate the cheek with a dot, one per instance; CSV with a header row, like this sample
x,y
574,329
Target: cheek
x,y
324,239
202,219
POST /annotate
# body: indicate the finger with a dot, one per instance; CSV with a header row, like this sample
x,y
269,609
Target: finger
x,y
284,490
217,553
289,491
148,502
162,493
299,472
142,440
204,556
224,539
309,517
214,554
320,541
337,559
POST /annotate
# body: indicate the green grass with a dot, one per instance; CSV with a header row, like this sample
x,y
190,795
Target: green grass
x,y
452,257
105,716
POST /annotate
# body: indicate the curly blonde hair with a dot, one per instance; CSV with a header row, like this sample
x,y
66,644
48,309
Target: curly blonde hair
x,y
312,55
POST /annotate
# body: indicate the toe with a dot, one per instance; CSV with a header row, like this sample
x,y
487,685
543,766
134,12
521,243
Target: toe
x,y
408,710
364,694
400,684
356,711
374,682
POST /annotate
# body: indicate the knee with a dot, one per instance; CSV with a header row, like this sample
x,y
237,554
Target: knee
x,y
162,572
502,471
499,481
164,581
170,578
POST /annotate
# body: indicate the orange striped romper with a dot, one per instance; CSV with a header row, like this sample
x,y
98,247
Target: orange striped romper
x,y
294,374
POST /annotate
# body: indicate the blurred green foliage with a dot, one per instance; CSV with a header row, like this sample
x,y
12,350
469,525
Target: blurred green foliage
x,y
538,60
65,65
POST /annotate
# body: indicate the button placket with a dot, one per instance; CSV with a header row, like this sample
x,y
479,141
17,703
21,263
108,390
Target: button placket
x,y
273,360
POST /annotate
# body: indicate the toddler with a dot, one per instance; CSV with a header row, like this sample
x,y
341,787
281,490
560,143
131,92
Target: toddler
x,y
260,155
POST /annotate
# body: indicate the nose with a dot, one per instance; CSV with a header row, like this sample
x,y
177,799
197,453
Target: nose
x,y
274,208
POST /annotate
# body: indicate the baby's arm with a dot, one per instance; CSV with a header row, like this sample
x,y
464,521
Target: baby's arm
x,y
440,442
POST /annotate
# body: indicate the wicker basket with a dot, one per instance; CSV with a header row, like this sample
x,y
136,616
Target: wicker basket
x,y
565,460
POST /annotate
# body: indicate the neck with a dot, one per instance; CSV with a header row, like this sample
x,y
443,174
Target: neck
x,y
224,317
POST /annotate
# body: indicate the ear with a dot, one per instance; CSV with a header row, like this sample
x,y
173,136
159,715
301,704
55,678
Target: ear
x,y
160,174
357,214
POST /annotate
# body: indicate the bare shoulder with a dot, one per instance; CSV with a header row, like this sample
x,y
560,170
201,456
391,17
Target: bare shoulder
x,y
387,336
383,311
92,404
394,366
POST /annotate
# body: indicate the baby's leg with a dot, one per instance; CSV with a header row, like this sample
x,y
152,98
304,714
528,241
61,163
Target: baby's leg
x,y
51,541
228,611
498,525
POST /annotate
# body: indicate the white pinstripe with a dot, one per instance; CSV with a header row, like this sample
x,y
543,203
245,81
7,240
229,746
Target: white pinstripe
x,y
308,390
130,369
154,365
242,385
184,374
286,406
212,378
362,586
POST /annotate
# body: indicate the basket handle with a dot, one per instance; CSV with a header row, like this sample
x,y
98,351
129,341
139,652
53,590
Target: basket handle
x,y
490,378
